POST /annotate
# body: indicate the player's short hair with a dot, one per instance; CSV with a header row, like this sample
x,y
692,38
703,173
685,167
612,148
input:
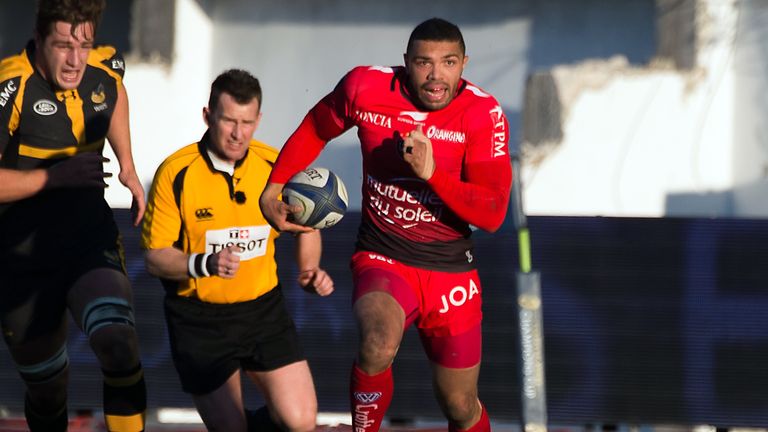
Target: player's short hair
x,y
438,30
73,12
239,84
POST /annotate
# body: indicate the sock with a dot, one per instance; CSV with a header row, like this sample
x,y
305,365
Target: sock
x,y
370,396
260,420
482,425
38,422
125,400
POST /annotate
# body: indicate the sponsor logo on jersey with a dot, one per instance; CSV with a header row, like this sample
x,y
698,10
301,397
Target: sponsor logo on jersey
x,y
446,135
412,116
98,97
374,118
405,207
382,258
499,132
204,213
252,240
45,107
7,91
458,296
117,64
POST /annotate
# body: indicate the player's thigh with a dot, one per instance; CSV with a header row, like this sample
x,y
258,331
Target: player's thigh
x,y
288,388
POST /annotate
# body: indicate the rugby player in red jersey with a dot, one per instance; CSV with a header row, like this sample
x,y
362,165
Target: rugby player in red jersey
x,y
435,162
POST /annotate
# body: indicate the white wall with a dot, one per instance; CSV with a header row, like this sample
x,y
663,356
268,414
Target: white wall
x,y
166,102
648,141
640,141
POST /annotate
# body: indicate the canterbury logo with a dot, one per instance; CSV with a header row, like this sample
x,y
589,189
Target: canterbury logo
x,y
367,397
203,213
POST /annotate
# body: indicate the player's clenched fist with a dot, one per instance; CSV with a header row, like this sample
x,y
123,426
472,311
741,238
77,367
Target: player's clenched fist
x,y
417,152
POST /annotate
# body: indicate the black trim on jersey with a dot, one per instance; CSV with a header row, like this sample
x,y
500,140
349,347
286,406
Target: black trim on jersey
x,y
178,186
203,146
451,257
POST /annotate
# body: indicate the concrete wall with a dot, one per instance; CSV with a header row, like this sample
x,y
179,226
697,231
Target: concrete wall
x,y
300,50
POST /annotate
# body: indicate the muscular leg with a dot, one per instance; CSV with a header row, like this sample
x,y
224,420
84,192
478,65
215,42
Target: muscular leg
x,y
222,409
290,395
381,322
35,331
101,303
456,392
455,370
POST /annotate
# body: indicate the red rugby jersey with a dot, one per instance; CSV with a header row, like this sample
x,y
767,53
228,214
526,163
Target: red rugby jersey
x,y
421,223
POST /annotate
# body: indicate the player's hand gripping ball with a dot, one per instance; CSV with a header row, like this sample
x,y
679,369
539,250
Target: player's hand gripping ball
x,y
321,195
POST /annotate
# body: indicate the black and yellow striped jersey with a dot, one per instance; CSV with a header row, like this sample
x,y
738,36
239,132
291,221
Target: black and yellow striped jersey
x,y
196,209
39,126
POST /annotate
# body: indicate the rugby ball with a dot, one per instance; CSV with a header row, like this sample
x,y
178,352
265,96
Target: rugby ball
x,y
321,195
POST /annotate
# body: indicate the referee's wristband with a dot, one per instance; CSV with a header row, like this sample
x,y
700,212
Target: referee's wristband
x,y
197,265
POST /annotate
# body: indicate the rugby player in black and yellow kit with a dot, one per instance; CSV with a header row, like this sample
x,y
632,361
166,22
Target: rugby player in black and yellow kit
x,y
206,239
59,245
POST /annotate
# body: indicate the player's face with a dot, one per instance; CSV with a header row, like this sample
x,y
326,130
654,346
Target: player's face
x,y
434,71
63,54
231,126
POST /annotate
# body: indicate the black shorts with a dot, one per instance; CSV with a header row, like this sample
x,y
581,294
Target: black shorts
x,y
209,342
34,302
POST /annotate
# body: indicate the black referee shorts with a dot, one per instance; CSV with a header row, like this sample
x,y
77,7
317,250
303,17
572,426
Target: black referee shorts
x,y
209,342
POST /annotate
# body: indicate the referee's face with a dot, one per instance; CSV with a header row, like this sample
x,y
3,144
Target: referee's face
x,y
231,126
62,56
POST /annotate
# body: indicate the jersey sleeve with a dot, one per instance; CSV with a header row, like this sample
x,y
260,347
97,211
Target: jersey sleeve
x,y
481,197
109,59
162,218
328,119
10,85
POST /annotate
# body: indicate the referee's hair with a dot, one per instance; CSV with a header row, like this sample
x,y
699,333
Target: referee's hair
x,y
438,30
239,84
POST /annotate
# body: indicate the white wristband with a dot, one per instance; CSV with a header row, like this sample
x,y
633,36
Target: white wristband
x,y
197,265
191,266
205,264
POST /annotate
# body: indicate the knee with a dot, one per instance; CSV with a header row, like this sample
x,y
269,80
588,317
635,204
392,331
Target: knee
x,y
299,419
461,407
47,381
109,324
378,349
116,346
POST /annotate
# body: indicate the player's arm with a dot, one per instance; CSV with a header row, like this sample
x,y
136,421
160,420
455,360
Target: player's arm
x,y
323,123
119,137
481,196
173,264
84,170
311,277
